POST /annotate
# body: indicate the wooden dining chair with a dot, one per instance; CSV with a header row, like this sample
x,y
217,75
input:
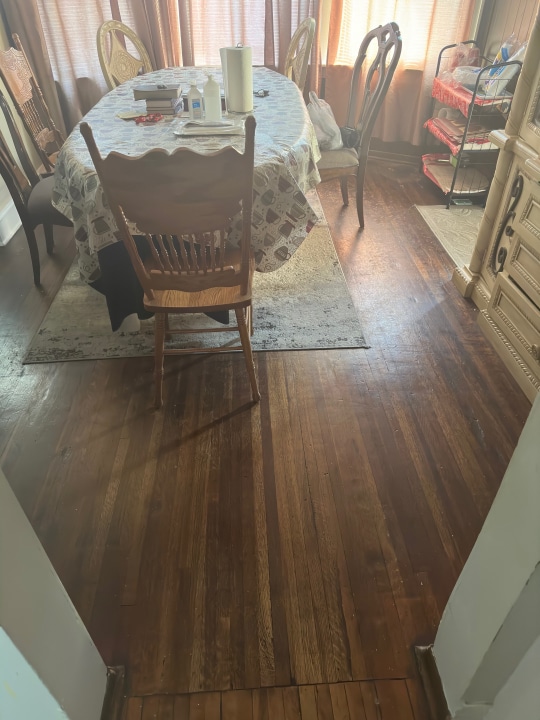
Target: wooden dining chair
x,y
28,99
297,58
184,203
368,90
30,193
117,64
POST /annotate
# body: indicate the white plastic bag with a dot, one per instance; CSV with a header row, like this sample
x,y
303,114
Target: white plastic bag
x,y
466,75
326,128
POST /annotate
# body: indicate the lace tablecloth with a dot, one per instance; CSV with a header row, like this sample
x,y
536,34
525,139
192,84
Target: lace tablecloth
x,y
286,155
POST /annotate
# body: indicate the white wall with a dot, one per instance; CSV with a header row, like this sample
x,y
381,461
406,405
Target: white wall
x,y
40,621
492,619
10,221
520,697
22,694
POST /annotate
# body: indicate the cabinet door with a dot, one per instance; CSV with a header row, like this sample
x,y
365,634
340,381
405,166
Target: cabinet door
x,y
523,262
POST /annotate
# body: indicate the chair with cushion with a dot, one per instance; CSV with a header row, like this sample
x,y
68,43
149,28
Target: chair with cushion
x,y
183,203
30,103
368,90
30,193
117,64
296,62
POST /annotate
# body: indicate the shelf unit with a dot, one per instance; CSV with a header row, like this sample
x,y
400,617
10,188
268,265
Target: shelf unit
x,y
462,120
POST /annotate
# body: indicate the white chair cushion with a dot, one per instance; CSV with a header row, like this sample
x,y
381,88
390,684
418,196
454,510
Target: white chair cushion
x,y
342,158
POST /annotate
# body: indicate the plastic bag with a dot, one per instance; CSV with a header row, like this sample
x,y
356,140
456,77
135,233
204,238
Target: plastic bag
x,y
507,49
326,128
499,77
463,54
349,136
466,75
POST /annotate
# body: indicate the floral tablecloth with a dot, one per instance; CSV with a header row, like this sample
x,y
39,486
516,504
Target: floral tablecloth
x,y
286,155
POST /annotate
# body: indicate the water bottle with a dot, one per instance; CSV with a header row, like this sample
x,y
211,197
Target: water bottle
x,y
212,100
194,99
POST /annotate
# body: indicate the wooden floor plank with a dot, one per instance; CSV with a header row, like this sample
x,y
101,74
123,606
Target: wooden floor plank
x,y
237,704
393,700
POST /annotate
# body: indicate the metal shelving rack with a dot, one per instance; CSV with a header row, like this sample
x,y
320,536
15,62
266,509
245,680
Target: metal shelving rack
x,y
464,174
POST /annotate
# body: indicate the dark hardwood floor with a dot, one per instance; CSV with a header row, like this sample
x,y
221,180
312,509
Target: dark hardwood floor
x,y
280,560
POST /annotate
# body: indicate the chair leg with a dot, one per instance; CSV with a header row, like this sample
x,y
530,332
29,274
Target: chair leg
x,y
34,253
248,353
159,336
344,190
49,238
360,175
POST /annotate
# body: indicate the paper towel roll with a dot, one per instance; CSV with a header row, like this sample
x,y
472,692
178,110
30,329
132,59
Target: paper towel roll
x,y
237,78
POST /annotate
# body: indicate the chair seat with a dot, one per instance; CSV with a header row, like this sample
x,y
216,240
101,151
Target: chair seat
x,y
214,298
342,158
40,207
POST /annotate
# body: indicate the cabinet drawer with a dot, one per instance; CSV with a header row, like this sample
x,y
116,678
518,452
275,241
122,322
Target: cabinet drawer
x,y
517,318
524,267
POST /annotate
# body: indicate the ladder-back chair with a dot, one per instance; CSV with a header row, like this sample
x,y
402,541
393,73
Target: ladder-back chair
x,y
183,204
117,64
297,59
31,194
368,90
30,103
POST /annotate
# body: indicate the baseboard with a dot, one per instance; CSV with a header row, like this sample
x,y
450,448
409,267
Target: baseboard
x,y
431,682
113,704
394,157
464,280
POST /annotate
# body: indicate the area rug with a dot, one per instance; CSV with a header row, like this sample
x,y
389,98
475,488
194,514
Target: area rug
x,y
455,228
305,305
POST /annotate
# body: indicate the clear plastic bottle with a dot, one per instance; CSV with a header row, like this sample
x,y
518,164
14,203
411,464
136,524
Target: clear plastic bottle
x,y
212,100
194,99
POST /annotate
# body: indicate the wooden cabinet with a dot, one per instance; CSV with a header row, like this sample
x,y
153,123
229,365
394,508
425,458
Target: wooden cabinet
x,y
503,275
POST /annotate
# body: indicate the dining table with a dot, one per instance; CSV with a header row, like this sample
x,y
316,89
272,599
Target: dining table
x,y
286,155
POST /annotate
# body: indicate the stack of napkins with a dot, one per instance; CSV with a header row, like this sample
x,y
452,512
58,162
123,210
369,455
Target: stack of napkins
x,y
203,127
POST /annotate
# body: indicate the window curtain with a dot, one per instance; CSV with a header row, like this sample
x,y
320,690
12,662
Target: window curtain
x,y
426,26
